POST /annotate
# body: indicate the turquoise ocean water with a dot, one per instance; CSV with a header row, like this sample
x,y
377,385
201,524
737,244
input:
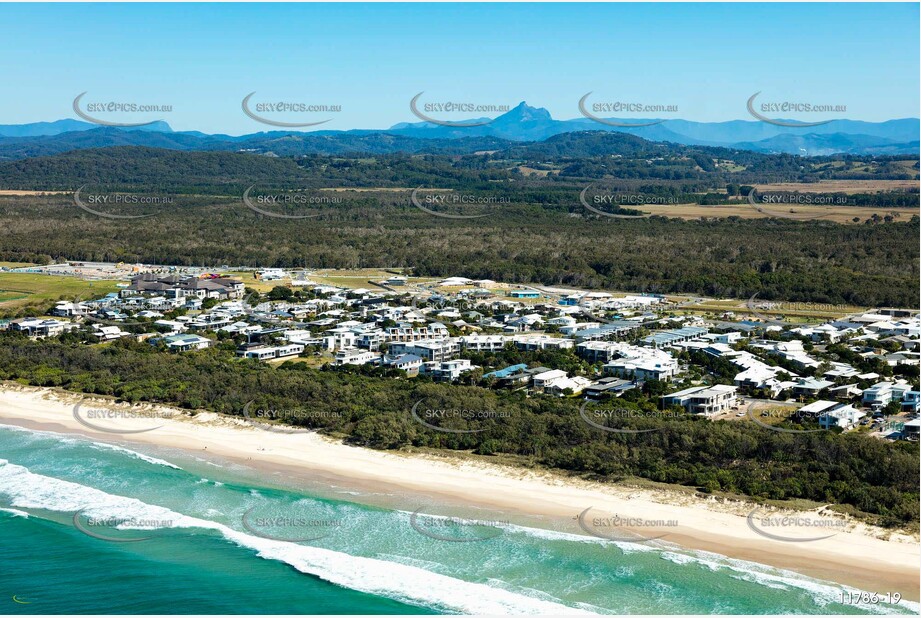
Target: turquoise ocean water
x,y
89,528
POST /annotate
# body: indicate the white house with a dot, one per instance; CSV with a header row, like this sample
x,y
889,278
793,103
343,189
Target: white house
x,y
356,357
706,400
272,352
184,342
482,343
842,415
430,351
547,378
575,385
642,368
410,363
529,343
447,371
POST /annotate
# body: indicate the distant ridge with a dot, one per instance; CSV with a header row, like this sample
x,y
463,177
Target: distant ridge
x,y
68,125
523,123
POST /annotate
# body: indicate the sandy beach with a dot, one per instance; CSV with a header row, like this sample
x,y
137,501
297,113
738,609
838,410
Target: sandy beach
x,y
857,555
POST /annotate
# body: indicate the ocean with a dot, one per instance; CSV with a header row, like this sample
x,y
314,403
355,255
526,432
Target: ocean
x,y
92,528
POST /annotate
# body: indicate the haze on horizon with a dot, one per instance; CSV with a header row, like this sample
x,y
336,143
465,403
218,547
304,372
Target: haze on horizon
x,y
372,59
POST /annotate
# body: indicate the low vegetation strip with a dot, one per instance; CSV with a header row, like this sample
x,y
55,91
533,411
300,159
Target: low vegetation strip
x,y
860,474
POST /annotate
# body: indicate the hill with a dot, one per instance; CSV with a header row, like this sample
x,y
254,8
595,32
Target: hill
x,y
523,123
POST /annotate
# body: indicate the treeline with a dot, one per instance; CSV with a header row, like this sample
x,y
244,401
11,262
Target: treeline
x,y
571,157
853,470
552,240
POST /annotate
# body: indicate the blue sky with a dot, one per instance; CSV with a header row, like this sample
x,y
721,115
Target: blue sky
x,y
372,59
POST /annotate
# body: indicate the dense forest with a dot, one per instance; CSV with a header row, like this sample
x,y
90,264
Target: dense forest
x,y
856,471
535,228
567,158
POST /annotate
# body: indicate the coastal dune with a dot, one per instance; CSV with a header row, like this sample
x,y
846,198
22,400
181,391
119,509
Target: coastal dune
x,y
853,554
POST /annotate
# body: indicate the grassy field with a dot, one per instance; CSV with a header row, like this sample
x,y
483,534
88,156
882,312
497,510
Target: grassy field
x,y
19,290
18,193
841,186
353,278
249,280
377,189
818,313
744,210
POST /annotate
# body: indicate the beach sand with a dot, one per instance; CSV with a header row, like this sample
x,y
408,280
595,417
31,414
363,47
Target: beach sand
x,y
858,555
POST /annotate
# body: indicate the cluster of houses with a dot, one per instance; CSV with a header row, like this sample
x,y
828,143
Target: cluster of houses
x,y
639,339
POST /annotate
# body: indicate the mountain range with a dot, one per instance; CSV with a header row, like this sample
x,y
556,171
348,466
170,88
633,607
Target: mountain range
x,y
520,124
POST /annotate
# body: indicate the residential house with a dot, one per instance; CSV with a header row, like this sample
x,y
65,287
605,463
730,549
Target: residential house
x,y
546,379
356,357
183,342
706,400
38,328
530,343
910,401
641,368
410,363
810,387
566,386
447,371
844,416
608,387
260,352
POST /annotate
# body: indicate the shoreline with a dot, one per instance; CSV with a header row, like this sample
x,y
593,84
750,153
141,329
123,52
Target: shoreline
x,y
856,556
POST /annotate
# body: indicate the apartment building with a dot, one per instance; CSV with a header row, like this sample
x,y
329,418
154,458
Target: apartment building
x,y
429,351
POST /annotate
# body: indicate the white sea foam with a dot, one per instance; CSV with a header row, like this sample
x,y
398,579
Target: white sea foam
x,y
69,439
38,433
556,535
135,454
15,512
822,593
402,582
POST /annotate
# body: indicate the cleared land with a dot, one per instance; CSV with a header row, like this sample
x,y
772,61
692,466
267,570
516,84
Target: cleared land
x,y
18,290
16,192
793,312
744,210
841,186
379,189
